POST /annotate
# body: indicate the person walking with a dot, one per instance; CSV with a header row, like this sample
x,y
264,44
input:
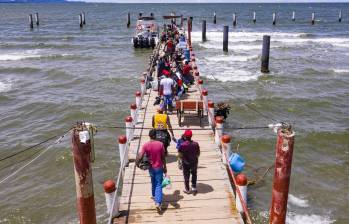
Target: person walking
x,y
189,152
155,152
167,89
162,124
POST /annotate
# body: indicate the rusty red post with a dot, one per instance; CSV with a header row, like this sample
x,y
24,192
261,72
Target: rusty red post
x,y
282,174
81,149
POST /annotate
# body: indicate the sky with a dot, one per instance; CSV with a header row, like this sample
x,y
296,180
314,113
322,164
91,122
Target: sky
x,y
216,1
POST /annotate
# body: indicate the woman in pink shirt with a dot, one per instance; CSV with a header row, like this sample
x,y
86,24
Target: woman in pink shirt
x,y
155,151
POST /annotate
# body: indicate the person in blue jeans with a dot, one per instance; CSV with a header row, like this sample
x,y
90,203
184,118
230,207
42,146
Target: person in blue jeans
x,y
155,151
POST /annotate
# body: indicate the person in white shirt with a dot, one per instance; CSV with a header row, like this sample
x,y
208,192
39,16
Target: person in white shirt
x,y
167,90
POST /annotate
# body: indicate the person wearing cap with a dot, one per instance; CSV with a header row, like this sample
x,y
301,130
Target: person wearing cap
x,y
189,152
155,152
187,76
167,90
162,124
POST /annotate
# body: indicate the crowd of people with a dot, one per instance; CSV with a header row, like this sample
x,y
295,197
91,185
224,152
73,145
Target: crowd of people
x,y
174,76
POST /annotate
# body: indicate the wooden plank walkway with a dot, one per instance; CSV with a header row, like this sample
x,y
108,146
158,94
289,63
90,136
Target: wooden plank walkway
x,y
215,201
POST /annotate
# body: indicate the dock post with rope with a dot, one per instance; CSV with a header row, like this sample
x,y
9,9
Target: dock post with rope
x,y
83,156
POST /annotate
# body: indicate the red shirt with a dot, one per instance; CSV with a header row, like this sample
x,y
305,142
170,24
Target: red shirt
x,y
186,69
154,151
190,151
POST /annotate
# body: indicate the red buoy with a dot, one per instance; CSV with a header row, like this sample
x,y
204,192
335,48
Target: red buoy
x,y
109,186
200,81
210,104
241,179
128,119
219,120
142,81
197,73
204,92
226,139
133,106
122,139
138,93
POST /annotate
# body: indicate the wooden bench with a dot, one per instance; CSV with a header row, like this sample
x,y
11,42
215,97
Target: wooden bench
x,y
189,105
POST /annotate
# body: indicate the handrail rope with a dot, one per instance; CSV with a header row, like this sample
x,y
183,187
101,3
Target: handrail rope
x,y
31,147
122,167
31,161
237,190
183,129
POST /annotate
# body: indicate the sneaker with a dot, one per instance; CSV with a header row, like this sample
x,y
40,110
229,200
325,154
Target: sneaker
x,y
187,191
152,198
158,207
194,190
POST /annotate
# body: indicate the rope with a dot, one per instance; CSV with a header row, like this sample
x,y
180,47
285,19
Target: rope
x,y
183,129
260,178
31,147
31,161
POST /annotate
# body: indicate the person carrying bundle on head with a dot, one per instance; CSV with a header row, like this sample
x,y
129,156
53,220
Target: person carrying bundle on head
x,y
162,124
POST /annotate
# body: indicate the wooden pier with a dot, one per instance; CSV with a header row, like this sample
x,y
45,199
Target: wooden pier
x,y
215,201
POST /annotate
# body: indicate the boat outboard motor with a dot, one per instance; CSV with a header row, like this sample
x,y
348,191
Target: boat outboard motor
x,y
141,41
135,42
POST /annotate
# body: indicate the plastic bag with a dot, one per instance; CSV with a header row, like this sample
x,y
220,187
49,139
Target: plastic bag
x,y
166,182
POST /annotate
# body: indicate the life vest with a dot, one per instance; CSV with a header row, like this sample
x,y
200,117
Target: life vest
x,y
160,121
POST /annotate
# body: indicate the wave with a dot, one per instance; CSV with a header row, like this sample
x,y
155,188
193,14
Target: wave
x,y
293,218
341,70
235,76
34,54
19,70
5,86
227,58
36,45
293,200
237,47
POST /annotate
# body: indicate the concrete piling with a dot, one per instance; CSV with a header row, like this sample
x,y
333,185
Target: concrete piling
x,y
312,18
225,38
265,54
241,183
234,19
109,192
282,175
203,30
37,19
340,16
218,130
254,17
274,18
210,106
122,147
128,19
80,21
226,148
214,17
31,24
81,149
293,16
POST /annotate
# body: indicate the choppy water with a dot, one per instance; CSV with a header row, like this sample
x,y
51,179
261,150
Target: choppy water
x,y
57,74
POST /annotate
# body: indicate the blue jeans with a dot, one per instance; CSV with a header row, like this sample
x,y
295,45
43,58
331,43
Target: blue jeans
x,y
156,176
168,102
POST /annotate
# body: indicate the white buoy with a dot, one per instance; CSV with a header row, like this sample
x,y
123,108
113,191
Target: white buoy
x,y
122,148
109,192
129,127
219,130
241,182
210,106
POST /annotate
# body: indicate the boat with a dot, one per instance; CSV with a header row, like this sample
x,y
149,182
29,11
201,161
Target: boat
x,y
146,35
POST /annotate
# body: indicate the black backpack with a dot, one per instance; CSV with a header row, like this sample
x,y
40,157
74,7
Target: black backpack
x,y
143,163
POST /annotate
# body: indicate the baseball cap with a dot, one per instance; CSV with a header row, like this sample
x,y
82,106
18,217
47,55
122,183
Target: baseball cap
x,y
188,133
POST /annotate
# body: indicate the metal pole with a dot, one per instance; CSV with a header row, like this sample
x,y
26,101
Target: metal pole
x,y
265,54
31,25
340,16
293,16
234,19
214,17
81,149
128,19
83,18
225,38
282,175
203,30
313,18
37,18
80,21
